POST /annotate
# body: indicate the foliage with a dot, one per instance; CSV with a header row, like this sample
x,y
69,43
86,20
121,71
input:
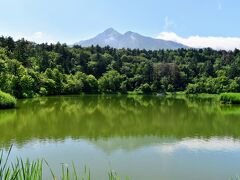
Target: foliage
x,y
28,69
145,89
230,98
7,101
110,82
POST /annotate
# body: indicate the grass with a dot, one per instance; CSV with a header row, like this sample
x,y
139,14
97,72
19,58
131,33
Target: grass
x,y
27,170
7,101
19,170
230,98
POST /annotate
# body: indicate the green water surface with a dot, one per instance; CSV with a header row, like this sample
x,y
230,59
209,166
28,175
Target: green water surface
x,y
143,137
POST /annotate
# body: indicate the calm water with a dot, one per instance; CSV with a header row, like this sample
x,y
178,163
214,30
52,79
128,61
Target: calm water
x,y
145,138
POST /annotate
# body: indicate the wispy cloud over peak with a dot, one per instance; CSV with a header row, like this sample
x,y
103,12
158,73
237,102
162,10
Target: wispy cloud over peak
x,y
168,24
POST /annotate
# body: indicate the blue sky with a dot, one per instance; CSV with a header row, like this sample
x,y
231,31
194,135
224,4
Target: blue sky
x,y
73,20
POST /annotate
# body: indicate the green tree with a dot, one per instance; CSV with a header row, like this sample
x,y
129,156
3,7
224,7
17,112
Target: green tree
x,y
110,82
91,85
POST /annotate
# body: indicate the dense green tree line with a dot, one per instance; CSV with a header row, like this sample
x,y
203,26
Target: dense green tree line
x,y
28,69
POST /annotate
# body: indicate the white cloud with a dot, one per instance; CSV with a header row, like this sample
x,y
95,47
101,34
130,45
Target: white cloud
x,y
213,144
226,43
38,37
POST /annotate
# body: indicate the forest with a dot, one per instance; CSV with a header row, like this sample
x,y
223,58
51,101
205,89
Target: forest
x,y
28,69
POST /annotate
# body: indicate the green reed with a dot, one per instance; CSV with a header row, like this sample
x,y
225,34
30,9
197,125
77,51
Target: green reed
x,y
33,170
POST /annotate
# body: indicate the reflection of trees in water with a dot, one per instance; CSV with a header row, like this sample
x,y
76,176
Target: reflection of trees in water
x,y
93,116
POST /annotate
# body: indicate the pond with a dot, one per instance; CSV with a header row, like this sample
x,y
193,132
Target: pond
x,y
142,137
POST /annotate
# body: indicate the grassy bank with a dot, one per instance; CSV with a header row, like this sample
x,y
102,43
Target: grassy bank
x,y
230,98
26,170
7,101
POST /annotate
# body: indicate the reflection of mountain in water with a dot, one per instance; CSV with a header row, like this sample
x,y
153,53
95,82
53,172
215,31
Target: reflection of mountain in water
x,y
130,143
99,117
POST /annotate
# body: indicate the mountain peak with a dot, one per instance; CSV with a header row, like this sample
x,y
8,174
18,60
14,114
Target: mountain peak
x,y
129,32
111,37
111,31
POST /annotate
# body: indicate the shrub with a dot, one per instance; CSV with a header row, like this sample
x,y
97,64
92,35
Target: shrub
x,y
192,89
91,85
145,89
7,101
110,82
43,91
